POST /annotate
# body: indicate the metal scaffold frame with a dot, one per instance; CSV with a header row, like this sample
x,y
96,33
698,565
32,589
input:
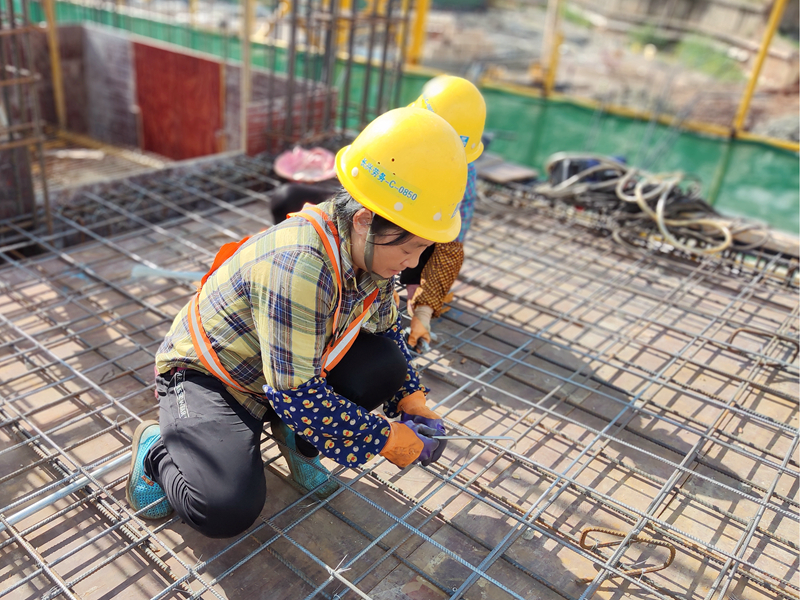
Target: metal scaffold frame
x,y
404,21
652,404
20,125
288,75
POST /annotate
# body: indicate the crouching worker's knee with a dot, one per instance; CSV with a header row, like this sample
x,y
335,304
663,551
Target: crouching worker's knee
x,y
228,515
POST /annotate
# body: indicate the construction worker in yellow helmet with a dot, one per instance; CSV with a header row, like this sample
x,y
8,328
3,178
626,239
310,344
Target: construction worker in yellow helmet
x,y
460,103
297,326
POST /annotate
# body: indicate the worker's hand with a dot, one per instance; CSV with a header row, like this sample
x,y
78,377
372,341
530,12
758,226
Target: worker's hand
x,y
418,332
430,453
413,408
411,442
403,446
431,449
396,298
420,325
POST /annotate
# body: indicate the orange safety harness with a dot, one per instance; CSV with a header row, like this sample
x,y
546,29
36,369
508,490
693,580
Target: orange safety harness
x,y
340,341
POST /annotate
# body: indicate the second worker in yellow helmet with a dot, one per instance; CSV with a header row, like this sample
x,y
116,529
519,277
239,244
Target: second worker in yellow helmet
x,y
461,104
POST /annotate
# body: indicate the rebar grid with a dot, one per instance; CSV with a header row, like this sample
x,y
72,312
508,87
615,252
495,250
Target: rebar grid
x,y
646,402
105,209
71,164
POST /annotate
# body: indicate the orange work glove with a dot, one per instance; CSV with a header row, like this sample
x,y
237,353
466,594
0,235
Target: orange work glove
x,y
403,446
420,326
396,298
414,404
415,413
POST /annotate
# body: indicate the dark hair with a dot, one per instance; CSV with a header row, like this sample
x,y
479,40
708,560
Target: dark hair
x,y
346,207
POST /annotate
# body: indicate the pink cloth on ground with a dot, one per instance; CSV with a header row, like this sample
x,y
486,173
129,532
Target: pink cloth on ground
x,y
300,164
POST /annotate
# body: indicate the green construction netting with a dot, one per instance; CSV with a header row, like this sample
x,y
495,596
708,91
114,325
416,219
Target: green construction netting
x,y
739,177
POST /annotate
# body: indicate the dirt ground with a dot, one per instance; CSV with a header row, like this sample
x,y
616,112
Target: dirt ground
x,y
697,78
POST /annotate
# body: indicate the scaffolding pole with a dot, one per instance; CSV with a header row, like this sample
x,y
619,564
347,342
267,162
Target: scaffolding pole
x,y
418,32
248,8
55,62
551,44
747,97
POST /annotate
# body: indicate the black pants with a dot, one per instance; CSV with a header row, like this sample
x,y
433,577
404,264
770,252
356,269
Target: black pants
x,y
208,460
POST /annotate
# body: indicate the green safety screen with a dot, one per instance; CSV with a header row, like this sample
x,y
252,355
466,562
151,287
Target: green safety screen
x,y
740,178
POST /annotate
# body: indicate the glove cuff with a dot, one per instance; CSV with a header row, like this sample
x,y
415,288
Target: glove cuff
x,y
403,446
414,404
423,314
407,404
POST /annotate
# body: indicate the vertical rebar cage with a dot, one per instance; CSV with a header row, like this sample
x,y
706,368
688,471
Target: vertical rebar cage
x,y
333,66
319,69
21,133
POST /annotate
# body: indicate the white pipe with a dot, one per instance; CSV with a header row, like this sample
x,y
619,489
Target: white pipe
x,y
142,271
77,484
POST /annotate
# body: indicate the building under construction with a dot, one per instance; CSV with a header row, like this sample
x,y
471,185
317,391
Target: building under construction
x,y
626,383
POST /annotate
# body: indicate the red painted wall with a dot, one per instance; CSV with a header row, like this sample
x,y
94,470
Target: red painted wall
x,y
180,99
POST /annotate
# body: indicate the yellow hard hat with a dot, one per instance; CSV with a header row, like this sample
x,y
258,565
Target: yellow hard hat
x,y
408,166
458,102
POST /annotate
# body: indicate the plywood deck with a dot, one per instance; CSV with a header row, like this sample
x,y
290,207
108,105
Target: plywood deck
x,y
652,399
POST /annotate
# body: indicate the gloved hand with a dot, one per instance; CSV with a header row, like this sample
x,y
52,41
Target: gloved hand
x,y
420,325
410,442
403,446
431,449
430,452
413,409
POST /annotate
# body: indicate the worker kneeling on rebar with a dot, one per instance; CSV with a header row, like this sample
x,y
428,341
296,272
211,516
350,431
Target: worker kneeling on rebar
x,y
296,325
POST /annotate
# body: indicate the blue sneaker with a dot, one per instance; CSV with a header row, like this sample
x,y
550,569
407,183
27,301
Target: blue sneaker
x,y
140,490
308,472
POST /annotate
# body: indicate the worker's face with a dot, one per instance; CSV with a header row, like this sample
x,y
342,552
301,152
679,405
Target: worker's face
x,y
387,261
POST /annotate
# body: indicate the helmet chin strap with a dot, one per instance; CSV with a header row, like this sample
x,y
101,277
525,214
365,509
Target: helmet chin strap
x,y
369,255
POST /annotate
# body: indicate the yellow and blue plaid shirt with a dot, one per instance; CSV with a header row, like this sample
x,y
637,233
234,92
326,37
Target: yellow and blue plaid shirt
x,y
268,312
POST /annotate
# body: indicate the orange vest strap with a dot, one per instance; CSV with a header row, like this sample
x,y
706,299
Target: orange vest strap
x,y
204,350
223,254
339,346
336,348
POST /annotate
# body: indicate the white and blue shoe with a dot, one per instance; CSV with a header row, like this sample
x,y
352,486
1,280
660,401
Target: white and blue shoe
x,y
308,472
140,490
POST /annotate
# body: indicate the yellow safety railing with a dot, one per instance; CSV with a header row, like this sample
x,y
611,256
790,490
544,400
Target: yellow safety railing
x,y
548,71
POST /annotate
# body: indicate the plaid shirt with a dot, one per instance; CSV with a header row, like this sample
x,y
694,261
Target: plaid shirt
x,y
268,312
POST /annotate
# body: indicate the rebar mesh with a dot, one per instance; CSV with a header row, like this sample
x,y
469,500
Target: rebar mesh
x,y
653,403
